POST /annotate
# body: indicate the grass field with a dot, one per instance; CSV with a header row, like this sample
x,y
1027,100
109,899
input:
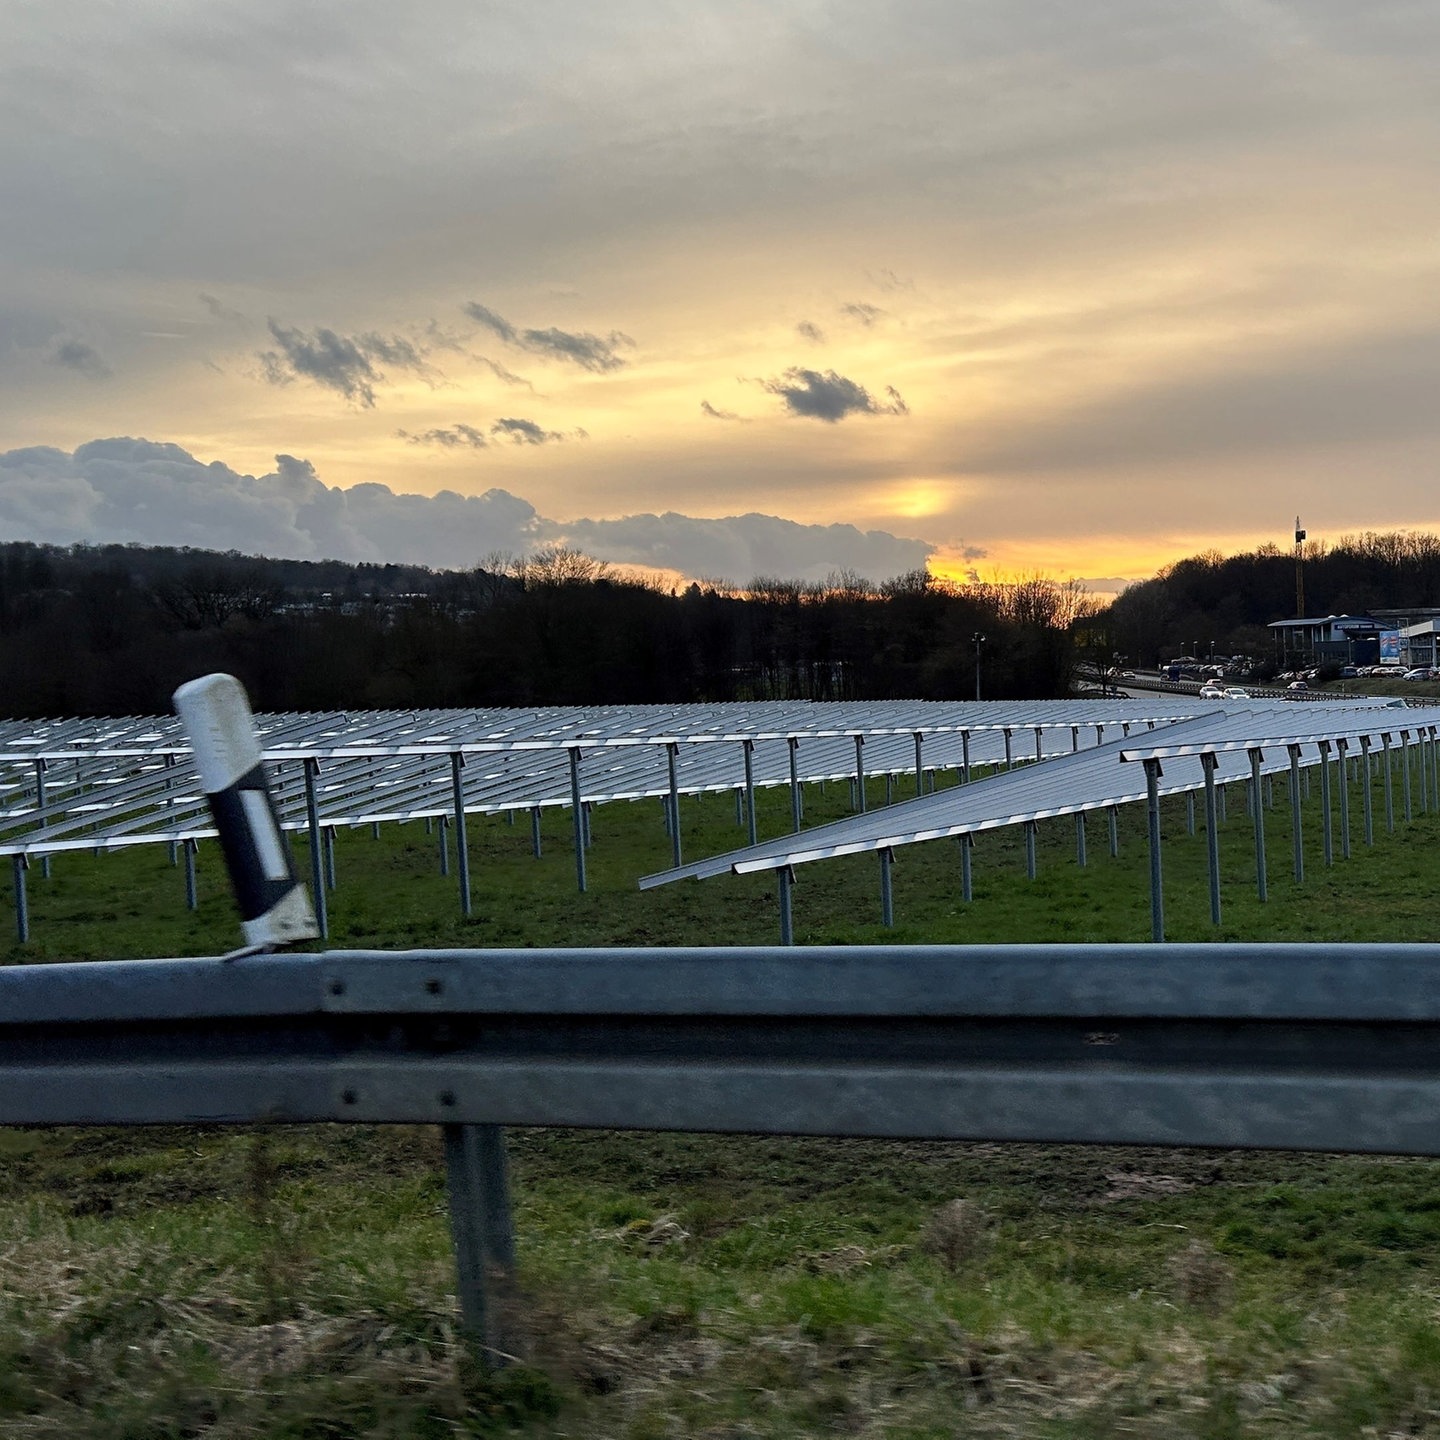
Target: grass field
x,y
296,1283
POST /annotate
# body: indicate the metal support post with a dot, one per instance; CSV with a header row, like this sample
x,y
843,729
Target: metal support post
x,y
192,898
1157,891
1341,746
749,748
329,834
1224,808
919,764
1405,774
22,900
1114,819
1030,828
317,857
1189,812
479,1190
171,847
1039,743
41,766
672,759
967,845
1080,837
1258,815
860,773
1420,755
740,802
1327,845
1296,836
1074,739
444,829
796,804
587,813
887,893
1389,788
462,845
1009,759
535,831
577,811
1212,836
787,917
965,757
889,788
1367,801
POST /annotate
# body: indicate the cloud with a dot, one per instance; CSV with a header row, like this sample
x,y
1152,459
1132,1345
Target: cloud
x,y
508,376
219,310
342,363
867,315
517,431
808,330
76,355
830,397
456,435
589,352
885,279
132,490
706,408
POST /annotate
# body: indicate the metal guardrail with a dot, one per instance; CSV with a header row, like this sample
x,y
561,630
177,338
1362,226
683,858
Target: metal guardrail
x,y
1323,1047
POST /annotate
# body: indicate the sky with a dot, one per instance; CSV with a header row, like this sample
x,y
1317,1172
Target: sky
x,y
721,289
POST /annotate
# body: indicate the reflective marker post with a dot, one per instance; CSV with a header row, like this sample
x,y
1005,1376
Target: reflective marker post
x,y
462,843
1212,835
1152,808
1367,799
1258,814
1297,839
274,908
577,811
317,856
672,756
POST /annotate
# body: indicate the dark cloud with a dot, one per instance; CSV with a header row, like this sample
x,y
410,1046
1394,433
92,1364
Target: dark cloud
x,y
342,363
508,376
511,428
219,310
152,493
706,408
526,432
865,314
808,330
830,397
590,352
76,355
452,438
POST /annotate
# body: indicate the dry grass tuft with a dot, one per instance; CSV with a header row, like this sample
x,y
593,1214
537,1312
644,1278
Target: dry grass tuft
x,y
957,1234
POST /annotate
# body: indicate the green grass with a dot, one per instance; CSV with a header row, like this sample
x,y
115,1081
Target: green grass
x,y
297,1282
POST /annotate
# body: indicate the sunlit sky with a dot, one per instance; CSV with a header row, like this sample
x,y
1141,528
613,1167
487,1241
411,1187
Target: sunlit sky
x,y
1006,286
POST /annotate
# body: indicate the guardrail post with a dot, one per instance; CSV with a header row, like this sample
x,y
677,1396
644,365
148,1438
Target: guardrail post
x,y
887,893
1296,839
462,843
1258,816
577,813
477,1179
1212,836
22,901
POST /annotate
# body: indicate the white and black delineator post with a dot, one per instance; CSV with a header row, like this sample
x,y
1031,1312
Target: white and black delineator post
x,y
274,908
276,911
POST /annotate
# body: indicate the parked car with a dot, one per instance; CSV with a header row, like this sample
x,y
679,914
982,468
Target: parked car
x,y
1423,672
1295,686
1212,692
1236,692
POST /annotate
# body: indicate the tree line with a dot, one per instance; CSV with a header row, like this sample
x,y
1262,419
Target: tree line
x,y
113,629
1226,602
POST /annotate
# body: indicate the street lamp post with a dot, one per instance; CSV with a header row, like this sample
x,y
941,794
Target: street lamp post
x,y
979,640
